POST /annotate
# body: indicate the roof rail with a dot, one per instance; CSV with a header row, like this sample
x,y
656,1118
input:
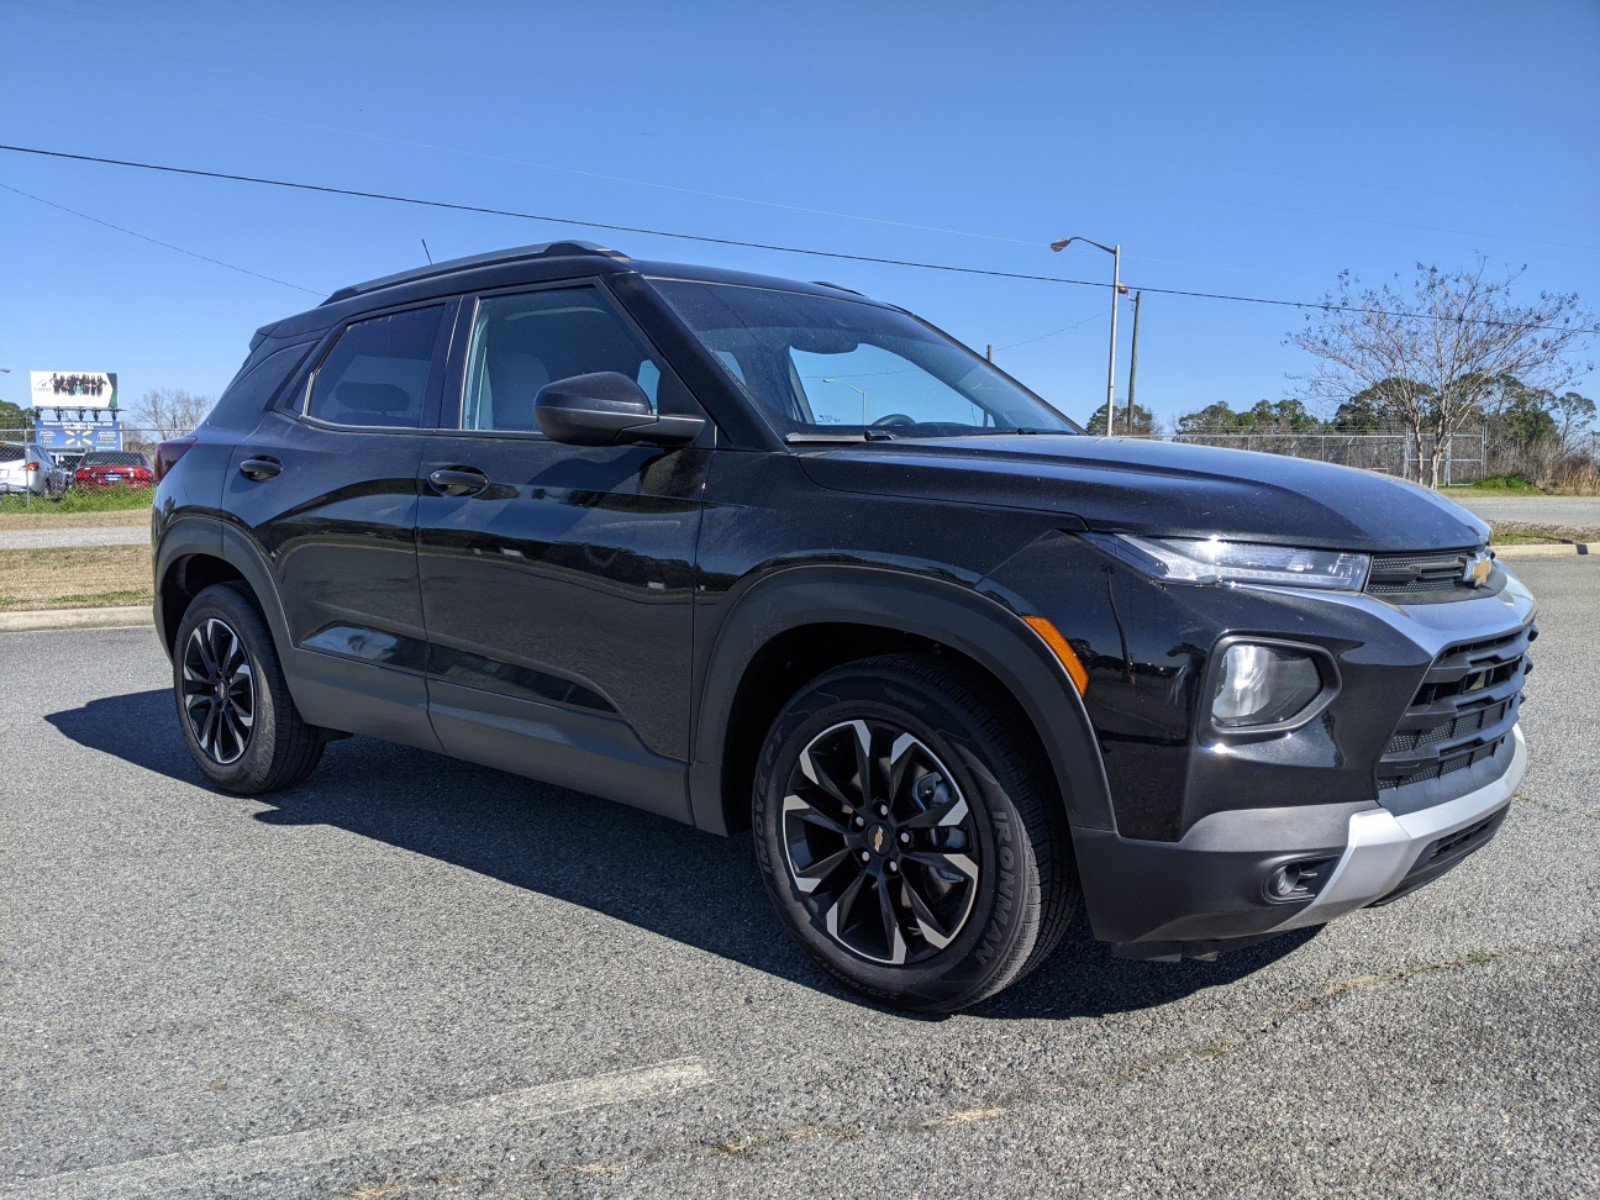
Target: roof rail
x,y
838,287
564,249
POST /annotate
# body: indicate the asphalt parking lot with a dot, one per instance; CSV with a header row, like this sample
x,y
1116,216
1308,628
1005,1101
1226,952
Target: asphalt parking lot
x,y
411,977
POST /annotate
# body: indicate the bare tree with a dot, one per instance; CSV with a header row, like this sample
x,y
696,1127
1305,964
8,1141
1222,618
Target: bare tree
x,y
1433,348
169,412
1573,414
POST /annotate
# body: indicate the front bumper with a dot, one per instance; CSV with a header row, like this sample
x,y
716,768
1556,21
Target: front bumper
x,y
1208,891
1386,853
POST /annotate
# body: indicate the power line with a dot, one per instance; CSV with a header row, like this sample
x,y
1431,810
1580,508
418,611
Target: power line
x,y
348,61
601,175
542,166
144,237
1054,332
453,206
810,252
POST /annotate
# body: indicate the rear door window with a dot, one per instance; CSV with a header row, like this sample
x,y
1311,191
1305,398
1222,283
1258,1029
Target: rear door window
x,y
377,373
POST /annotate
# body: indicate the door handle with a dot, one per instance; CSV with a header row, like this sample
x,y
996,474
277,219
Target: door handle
x,y
458,481
261,469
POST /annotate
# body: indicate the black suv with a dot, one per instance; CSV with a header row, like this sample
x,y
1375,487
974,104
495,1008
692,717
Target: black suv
x,y
752,553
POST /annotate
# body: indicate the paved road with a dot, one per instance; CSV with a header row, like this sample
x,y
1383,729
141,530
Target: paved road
x,y
1540,510
46,539
413,972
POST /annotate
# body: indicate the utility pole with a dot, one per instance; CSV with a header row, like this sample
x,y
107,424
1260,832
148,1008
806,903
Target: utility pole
x,y
1117,290
1133,356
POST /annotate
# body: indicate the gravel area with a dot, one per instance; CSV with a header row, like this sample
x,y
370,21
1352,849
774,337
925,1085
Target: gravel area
x,y
1535,510
51,537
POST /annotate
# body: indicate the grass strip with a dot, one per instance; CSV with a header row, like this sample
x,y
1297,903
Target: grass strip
x,y
74,577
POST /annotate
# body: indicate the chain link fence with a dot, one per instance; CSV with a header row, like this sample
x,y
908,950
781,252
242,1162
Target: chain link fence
x,y
134,437
1570,464
1465,459
1468,456
52,475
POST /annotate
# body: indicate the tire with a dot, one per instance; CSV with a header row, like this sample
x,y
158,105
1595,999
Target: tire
x,y
247,737
968,877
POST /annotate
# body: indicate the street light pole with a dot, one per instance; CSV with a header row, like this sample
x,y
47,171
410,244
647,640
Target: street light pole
x,y
860,391
1116,291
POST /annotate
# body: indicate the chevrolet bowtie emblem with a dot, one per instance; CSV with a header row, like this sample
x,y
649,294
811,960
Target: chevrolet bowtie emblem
x,y
1477,570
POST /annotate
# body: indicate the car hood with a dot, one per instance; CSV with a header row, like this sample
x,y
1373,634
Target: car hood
x,y
1131,485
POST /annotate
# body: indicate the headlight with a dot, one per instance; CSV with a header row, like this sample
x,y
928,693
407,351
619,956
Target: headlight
x,y
1212,560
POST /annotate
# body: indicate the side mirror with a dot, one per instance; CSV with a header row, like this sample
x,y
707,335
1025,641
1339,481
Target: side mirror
x,y
606,408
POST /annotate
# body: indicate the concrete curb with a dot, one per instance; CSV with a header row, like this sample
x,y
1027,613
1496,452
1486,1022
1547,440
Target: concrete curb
x,y
129,617
1548,550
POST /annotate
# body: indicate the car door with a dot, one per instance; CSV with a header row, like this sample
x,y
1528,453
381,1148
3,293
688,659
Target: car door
x,y
326,488
557,580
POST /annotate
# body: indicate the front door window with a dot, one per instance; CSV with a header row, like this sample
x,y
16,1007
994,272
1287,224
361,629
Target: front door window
x,y
522,342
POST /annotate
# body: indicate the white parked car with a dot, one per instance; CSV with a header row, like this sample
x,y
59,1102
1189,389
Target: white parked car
x,y
29,469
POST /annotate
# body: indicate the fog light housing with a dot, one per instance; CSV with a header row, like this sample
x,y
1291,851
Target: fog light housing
x,y
1296,882
1264,686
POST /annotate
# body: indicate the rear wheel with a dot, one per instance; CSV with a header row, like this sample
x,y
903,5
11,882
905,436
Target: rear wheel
x,y
239,721
909,837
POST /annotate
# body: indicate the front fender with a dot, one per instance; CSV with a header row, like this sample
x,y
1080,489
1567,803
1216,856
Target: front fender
x,y
980,628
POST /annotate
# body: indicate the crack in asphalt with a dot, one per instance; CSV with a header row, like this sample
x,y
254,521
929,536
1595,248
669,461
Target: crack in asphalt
x,y
1340,988
1216,1047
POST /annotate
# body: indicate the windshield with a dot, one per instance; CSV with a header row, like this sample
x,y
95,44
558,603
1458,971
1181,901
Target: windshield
x,y
816,365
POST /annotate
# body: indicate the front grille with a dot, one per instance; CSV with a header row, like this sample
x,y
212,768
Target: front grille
x,y
1440,856
1462,713
1458,844
1432,575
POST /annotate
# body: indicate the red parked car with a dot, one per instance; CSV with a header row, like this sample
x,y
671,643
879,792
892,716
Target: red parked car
x,y
113,468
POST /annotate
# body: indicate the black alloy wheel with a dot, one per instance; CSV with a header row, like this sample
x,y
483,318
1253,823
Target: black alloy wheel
x,y
238,718
910,833
219,691
878,837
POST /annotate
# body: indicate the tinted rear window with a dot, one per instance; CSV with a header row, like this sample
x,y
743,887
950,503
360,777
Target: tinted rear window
x,y
377,372
10,452
113,458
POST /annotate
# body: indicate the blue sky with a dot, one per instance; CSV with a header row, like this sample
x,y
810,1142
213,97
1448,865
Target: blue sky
x,y
1254,148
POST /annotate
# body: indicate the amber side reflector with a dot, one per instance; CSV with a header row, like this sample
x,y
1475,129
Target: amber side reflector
x,y
1058,646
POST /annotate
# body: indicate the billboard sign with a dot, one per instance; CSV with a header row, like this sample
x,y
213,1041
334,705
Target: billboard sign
x,y
78,435
73,388
75,411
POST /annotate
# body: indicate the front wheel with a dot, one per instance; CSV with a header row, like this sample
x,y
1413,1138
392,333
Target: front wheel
x,y
909,836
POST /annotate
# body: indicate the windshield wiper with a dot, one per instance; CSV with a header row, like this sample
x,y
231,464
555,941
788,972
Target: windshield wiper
x,y
1030,431
874,435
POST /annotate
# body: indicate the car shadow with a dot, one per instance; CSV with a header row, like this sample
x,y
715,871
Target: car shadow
x,y
647,870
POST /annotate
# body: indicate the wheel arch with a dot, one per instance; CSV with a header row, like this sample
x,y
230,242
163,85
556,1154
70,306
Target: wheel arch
x,y
873,610
196,553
